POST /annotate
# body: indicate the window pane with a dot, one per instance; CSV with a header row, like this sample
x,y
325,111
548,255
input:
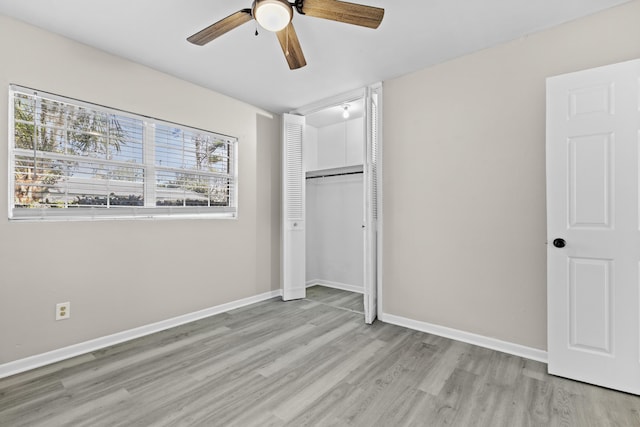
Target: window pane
x,y
24,134
35,179
220,188
52,140
169,149
187,189
95,184
24,121
180,189
45,182
191,150
51,114
128,142
24,107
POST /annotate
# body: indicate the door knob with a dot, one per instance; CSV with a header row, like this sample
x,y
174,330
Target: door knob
x,y
559,243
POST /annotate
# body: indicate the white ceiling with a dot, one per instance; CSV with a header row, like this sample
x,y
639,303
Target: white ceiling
x,y
414,34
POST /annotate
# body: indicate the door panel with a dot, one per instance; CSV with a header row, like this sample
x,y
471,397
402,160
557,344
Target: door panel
x,y
593,128
371,202
293,212
592,99
590,291
590,181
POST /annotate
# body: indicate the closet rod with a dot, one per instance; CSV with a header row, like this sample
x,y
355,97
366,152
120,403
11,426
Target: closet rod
x,y
334,174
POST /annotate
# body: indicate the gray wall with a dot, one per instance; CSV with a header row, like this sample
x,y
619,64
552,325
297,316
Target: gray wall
x,y
464,178
120,275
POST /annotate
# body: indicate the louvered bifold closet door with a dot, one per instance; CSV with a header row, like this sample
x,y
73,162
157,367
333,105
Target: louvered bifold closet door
x,y
371,202
293,234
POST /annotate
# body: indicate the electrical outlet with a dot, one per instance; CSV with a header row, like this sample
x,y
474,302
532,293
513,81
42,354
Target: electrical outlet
x,y
63,310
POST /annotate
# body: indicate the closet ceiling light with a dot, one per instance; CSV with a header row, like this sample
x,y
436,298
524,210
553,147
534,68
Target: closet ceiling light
x,y
345,113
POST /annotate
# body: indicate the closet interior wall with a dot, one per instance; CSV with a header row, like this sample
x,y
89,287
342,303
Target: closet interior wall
x,y
333,157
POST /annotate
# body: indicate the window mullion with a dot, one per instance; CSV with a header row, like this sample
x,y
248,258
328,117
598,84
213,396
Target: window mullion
x,y
149,132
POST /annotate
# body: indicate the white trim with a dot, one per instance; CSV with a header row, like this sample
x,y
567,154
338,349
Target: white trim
x,y
468,337
336,285
38,360
378,87
329,102
10,145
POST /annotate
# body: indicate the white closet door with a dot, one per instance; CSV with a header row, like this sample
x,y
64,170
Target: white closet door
x,y
293,212
593,255
371,202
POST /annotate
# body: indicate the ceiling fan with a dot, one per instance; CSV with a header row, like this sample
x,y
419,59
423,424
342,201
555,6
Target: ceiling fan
x,y
276,16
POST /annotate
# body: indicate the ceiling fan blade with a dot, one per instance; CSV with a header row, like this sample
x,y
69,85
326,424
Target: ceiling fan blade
x,y
221,27
291,47
341,11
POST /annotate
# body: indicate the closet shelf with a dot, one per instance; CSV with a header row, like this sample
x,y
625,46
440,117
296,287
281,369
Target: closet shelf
x,y
343,170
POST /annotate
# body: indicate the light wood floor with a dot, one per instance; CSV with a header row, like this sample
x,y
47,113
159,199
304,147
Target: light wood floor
x,y
308,362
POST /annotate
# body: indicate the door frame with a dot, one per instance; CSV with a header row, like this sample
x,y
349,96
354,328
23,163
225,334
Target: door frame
x,y
341,99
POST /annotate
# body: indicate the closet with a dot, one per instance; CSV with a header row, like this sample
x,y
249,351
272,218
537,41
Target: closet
x,y
333,151
331,197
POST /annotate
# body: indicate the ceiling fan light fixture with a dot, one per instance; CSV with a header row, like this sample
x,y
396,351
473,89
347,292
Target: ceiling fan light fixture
x,y
272,15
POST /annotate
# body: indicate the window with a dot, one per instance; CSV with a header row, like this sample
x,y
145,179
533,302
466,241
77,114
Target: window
x,y
71,159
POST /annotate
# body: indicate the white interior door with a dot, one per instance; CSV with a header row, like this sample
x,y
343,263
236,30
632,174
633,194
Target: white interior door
x,y
293,212
371,201
593,135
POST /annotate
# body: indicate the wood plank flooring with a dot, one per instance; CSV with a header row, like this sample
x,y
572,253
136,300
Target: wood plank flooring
x,y
310,362
337,298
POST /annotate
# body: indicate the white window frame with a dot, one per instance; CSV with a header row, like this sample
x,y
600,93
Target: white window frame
x,y
149,209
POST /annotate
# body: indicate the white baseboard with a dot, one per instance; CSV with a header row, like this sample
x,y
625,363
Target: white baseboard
x,y
32,362
335,285
468,337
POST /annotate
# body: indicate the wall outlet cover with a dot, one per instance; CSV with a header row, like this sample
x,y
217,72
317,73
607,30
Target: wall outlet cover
x,y
63,310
